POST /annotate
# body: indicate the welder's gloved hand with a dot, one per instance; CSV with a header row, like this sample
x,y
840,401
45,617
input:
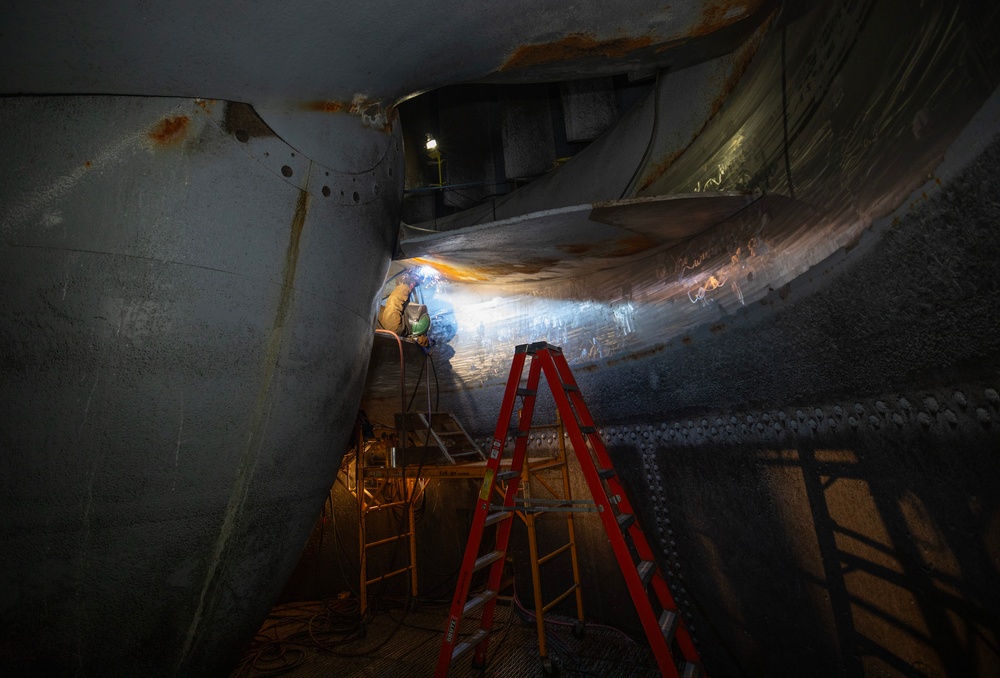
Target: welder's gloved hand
x,y
423,340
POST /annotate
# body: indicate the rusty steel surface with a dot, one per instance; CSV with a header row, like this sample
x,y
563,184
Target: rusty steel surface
x,y
569,241
307,51
859,142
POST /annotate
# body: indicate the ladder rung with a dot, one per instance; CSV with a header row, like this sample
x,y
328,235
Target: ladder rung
x,y
646,570
668,624
477,602
388,574
558,599
470,453
625,521
378,507
548,465
467,645
549,556
526,391
520,434
691,670
571,387
496,518
588,429
449,433
387,540
489,558
605,473
507,475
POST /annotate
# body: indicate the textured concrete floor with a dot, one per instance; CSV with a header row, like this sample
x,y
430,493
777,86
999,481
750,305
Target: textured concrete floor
x,y
316,639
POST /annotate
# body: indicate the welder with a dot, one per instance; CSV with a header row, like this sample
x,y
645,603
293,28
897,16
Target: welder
x,y
402,317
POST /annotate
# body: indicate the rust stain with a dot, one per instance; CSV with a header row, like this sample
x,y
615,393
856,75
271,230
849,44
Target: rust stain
x,y
716,328
205,104
322,106
723,13
574,46
687,341
88,164
292,257
657,170
577,248
637,355
740,61
623,247
170,130
371,112
633,245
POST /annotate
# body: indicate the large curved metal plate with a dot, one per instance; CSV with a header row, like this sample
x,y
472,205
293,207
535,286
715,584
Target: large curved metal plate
x,y
569,241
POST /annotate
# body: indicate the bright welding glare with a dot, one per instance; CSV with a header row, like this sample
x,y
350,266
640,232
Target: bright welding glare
x,y
431,143
428,272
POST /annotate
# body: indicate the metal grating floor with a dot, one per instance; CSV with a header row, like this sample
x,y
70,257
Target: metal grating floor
x,y
305,640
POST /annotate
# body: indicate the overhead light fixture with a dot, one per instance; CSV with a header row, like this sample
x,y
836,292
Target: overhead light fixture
x,y
434,153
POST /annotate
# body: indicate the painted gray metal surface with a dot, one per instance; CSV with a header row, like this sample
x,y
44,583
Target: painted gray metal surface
x,y
184,344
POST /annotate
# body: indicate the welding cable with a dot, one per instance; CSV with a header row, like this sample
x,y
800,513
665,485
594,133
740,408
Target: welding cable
x,y
548,620
402,387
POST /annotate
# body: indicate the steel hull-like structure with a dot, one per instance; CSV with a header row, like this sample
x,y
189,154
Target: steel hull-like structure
x,y
199,203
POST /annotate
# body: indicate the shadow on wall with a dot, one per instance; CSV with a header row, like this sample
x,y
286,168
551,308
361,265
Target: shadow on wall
x,y
877,557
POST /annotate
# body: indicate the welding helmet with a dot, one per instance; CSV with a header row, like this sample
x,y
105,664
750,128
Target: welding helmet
x,y
417,320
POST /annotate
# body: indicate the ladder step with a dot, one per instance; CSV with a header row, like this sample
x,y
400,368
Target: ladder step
x,y
588,429
526,391
668,624
606,473
573,388
507,475
477,602
691,670
625,521
520,434
467,645
494,518
489,558
646,570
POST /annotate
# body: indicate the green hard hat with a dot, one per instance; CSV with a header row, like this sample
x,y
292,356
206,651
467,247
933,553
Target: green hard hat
x,y
419,327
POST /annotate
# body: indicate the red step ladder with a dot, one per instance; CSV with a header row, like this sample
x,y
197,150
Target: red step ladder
x,y
665,629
